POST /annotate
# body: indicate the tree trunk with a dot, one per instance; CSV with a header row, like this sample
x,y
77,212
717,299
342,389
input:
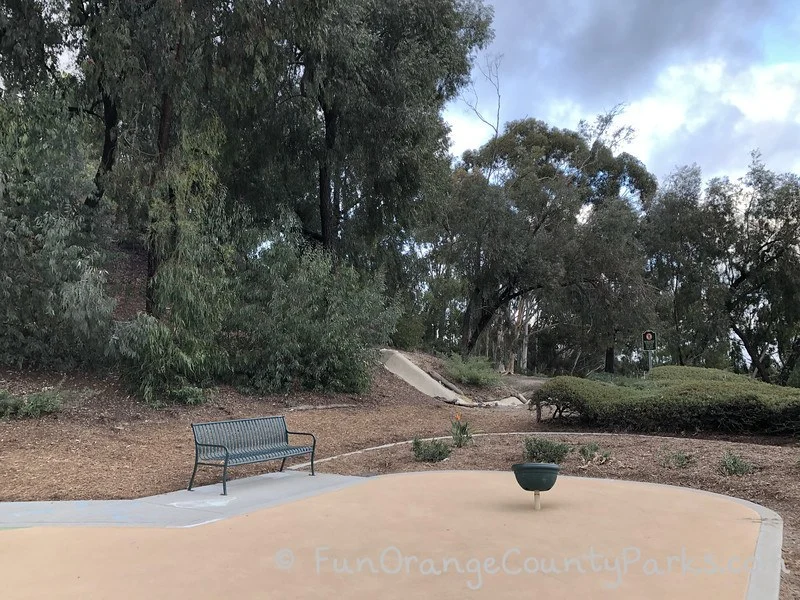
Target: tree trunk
x,y
108,157
327,228
154,254
755,358
523,358
609,359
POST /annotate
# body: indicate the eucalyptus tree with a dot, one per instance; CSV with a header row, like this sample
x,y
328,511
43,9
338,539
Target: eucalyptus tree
x,y
686,239
514,209
760,269
726,258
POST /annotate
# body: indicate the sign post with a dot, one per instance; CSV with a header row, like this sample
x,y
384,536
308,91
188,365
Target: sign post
x,y
649,344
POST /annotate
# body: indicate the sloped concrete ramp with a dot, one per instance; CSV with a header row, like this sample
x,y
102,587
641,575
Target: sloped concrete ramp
x,y
398,364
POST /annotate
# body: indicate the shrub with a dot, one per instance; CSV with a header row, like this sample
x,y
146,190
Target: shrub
x,y
733,464
9,405
154,362
55,311
409,331
31,406
699,400
542,450
592,452
461,431
430,450
39,404
794,378
677,459
475,370
193,396
303,321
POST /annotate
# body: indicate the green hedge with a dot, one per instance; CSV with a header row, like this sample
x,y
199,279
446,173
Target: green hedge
x,y
678,399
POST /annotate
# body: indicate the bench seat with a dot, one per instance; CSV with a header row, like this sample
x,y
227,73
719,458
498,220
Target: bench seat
x,y
255,455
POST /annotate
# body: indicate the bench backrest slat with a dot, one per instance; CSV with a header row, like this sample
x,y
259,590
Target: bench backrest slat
x,y
243,434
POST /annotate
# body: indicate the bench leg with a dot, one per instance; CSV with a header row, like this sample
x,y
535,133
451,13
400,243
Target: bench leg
x,y
225,480
312,463
283,462
191,481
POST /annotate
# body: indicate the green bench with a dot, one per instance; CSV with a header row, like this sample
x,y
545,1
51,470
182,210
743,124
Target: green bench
x,y
243,442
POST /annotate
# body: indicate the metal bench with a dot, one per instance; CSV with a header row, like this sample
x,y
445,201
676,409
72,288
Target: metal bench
x,y
243,442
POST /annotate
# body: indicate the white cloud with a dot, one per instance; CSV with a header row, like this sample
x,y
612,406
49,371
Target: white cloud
x,y
739,107
468,132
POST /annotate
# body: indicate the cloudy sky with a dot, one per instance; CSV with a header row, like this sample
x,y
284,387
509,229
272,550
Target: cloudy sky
x,y
703,81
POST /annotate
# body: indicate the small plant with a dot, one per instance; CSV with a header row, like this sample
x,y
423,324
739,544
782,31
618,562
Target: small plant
x,y
592,453
733,464
9,405
40,403
461,431
474,371
193,396
541,450
676,460
31,406
429,450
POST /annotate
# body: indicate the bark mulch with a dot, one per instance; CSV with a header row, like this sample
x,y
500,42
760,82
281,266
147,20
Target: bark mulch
x,y
105,444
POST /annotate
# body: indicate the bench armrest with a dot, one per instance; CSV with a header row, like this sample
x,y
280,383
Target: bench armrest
x,y
313,437
197,445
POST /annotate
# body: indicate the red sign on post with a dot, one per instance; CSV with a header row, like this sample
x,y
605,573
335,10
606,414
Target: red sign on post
x,y
649,340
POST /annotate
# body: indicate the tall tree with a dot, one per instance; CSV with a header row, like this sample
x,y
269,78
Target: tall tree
x,y
514,208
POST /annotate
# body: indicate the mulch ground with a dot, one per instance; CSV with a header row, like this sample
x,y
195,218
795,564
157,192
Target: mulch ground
x,y
775,483
107,445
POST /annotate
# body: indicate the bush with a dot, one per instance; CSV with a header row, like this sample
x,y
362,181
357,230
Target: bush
x,y
409,331
677,401
193,396
303,321
542,450
39,404
29,407
430,451
475,370
55,310
794,378
592,452
9,405
154,362
733,464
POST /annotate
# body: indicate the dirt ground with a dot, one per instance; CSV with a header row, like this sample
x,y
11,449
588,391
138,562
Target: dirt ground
x,y
106,445
775,483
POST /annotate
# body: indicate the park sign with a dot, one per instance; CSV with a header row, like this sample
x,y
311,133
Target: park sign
x,y
649,340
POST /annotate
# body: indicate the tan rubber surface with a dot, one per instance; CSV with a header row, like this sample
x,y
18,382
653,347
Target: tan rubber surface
x,y
407,536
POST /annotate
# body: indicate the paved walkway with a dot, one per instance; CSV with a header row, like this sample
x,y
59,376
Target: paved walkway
x,y
465,534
